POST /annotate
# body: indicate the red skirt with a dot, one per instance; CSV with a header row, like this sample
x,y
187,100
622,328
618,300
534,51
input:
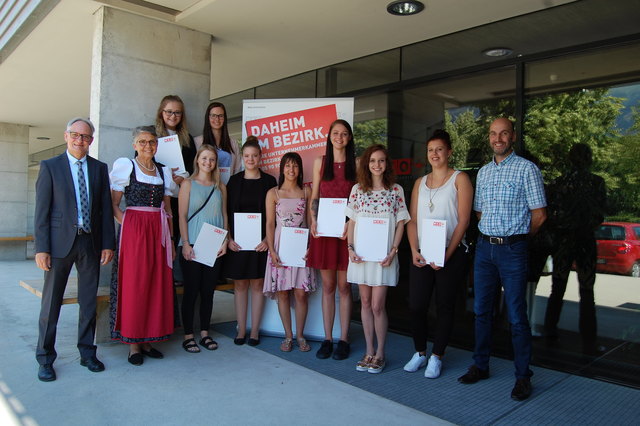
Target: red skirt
x,y
145,283
328,253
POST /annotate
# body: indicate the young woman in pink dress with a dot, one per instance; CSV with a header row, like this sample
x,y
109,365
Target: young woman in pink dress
x,y
287,207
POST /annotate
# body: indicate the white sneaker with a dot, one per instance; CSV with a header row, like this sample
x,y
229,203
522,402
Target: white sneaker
x,y
416,362
434,367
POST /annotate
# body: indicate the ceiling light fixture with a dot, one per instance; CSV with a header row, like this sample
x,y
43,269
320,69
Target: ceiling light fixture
x,y
405,8
497,52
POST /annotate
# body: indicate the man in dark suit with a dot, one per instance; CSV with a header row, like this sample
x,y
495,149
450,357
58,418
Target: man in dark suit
x,y
73,225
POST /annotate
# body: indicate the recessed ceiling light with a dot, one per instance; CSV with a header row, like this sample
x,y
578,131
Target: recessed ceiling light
x,y
496,52
404,8
43,138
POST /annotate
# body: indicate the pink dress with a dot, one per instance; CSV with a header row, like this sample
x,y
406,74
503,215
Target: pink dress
x,y
290,212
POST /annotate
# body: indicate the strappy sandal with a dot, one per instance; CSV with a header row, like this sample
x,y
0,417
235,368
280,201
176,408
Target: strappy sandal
x,y
364,363
377,365
208,343
190,346
303,345
286,345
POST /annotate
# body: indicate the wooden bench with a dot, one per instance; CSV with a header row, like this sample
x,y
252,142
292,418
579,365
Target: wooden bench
x,y
70,297
22,238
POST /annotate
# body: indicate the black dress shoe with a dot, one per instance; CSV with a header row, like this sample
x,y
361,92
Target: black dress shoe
x,y
522,389
135,359
46,373
253,342
342,350
93,364
473,375
325,349
240,340
152,353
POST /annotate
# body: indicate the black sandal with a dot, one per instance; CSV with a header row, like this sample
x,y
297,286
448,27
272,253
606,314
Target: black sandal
x,y
208,343
189,345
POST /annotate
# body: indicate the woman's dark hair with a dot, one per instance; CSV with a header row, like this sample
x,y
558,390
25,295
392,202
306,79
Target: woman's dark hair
x,y
291,157
364,174
440,135
207,132
350,166
252,142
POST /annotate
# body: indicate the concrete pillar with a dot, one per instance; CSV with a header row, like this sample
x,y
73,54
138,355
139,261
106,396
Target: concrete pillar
x,y
14,151
136,61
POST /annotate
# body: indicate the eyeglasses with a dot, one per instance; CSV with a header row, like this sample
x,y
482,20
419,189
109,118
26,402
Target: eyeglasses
x,y
218,116
76,136
170,113
144,143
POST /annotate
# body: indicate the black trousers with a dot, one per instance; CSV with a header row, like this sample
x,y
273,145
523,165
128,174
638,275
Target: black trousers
x,y
87,262
447,283
581,248
199,280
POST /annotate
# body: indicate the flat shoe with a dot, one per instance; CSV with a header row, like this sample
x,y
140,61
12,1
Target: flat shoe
x,y
190,346
325,349
135,358
253,342
240,340
208,343
152,353
303,346
46,373
93,364
342,350
286,345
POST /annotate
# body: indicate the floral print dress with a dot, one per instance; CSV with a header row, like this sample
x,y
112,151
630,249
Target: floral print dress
x,y
290,212
388,204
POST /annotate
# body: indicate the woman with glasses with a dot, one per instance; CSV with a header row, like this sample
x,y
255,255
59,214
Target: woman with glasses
x,y
141,282
216,133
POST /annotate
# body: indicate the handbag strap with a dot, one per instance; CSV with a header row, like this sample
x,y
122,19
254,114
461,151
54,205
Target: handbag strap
x,y
203,204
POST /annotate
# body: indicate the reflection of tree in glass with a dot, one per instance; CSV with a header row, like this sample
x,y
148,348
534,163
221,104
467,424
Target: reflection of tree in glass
x,y
370,132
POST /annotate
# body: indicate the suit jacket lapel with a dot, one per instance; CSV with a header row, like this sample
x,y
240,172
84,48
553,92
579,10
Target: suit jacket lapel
x,y
68,176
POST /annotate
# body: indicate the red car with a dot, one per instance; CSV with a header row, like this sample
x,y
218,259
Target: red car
x,y
619,248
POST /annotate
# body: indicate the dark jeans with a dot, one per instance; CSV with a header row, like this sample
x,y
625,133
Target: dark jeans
x,y
507,265
580,247
199,280
447,282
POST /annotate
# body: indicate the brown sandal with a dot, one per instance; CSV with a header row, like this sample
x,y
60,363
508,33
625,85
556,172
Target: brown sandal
x,y
303,345
364,363
286,345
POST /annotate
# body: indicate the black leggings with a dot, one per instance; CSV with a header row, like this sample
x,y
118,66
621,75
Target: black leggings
x,y
447,282
200,280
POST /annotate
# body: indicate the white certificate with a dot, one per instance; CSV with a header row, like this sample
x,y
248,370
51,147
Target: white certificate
x,y
170,154
433,240
331,217
225,174
372,238
247,230
208,244
293,246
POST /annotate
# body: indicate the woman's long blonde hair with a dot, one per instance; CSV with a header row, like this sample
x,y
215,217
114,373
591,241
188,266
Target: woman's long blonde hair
x,y
181,129
196,169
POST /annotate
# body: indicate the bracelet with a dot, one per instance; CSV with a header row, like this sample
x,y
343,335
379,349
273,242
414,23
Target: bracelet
x,y
395,249
350,247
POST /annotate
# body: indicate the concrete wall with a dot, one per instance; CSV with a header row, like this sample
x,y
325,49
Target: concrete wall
x,y
136,61
14,151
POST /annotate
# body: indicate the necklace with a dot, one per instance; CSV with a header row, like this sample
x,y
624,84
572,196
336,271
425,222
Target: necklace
x,y
153,169
431,197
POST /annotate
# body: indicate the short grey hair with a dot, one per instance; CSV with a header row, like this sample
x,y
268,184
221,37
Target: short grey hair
x,y
84,120
143,129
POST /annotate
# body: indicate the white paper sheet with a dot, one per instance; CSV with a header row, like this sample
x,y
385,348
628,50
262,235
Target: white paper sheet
x,y
433,240
225,174
331,217
372,238
170,154
247,230
293,246
208,244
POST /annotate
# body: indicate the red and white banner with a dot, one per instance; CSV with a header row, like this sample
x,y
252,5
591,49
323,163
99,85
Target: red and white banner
x,y
292,125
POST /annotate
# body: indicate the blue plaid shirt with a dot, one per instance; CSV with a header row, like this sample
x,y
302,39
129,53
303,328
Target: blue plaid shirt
x,y
506,192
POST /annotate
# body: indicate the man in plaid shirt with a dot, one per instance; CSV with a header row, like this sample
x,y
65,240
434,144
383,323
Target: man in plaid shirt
x,y
510,204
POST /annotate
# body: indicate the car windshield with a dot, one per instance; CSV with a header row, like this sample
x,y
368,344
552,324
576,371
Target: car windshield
x,y
608,232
